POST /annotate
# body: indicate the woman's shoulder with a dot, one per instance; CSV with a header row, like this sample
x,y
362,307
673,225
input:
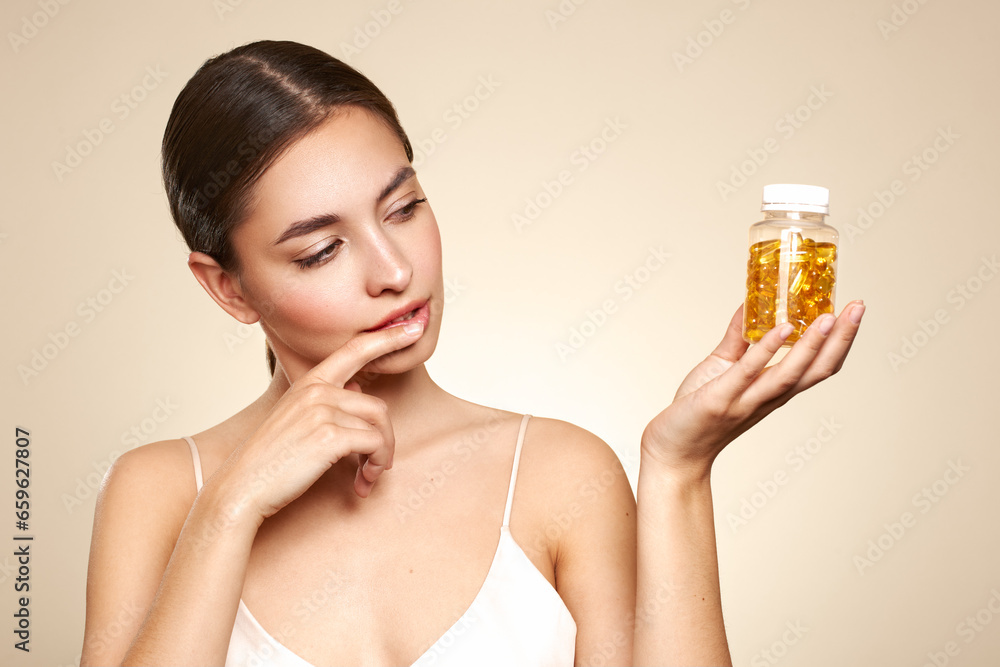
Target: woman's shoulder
x,y
153,480
552,434
564,450
582,498
569,437
163,459
572,456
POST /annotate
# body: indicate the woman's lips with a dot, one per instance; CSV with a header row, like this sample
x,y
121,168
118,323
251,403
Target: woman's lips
x,y
422,314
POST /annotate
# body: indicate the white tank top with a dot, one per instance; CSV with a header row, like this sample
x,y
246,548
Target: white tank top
x,y
517,618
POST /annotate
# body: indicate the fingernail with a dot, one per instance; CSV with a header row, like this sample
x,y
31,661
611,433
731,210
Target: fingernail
x,y
856,313
413,328
826,324
785,330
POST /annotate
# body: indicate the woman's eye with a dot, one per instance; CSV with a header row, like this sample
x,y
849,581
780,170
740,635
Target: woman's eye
x,y
404,214
408,211
319,257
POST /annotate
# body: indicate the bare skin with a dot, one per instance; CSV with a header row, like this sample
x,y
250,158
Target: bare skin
x,y
304,488
298,496
722,397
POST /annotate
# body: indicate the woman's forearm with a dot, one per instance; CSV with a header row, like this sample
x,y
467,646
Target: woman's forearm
x,y
678,602
191,618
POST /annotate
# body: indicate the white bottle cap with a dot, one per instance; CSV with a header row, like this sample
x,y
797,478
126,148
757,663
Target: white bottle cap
x,y
786,196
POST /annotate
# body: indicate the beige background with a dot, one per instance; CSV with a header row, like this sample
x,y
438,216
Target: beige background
x,y
897,423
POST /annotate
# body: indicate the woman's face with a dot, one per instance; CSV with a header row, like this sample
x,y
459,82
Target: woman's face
x,y
338,241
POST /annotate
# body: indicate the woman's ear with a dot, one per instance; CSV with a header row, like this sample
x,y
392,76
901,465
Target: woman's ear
x,y
222,286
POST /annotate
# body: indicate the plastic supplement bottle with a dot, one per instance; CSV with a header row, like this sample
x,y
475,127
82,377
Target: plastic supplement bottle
x,y
792,264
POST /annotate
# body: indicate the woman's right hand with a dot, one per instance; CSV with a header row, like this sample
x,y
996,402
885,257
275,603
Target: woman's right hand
x,y
317,422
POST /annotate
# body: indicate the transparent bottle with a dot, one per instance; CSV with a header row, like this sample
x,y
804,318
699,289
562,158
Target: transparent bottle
x,y
792,264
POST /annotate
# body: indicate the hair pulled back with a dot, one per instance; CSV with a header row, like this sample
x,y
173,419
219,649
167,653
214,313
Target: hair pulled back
x,y
235,117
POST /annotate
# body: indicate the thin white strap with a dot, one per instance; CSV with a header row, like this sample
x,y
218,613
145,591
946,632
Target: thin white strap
x,y
513,472
197,461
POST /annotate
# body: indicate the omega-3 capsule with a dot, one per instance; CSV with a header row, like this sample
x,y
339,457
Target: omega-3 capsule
x,y
792,267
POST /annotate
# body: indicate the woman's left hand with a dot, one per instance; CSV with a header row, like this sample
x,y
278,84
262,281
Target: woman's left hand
x,y
732,389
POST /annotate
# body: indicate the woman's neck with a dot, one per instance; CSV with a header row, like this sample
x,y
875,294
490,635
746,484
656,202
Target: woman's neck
x,y
412,397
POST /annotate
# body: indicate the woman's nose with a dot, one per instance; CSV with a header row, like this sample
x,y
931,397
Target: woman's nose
x,y
386,266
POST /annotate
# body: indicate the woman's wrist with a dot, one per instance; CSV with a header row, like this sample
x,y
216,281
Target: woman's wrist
x,y
688,475
223,507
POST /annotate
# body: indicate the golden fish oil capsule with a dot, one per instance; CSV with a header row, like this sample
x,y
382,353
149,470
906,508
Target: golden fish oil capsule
x,y
792,264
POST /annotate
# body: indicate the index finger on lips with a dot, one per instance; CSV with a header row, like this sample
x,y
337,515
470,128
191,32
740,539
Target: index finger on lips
x,y
344,362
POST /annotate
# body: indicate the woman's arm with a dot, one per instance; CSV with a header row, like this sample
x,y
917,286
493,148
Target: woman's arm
x,y
189,620
678,603
191,617
190,586
590,512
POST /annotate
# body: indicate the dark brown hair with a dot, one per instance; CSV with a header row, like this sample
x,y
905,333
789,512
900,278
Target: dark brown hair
x,y
233,119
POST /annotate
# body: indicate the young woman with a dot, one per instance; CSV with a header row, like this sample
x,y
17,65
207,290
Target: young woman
x,y
288,535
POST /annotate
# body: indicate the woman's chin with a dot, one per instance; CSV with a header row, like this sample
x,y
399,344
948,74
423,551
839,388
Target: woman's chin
x,y
395,363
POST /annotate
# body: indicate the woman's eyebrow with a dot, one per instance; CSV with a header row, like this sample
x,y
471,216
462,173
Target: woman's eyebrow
x,y
402,174
309,225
